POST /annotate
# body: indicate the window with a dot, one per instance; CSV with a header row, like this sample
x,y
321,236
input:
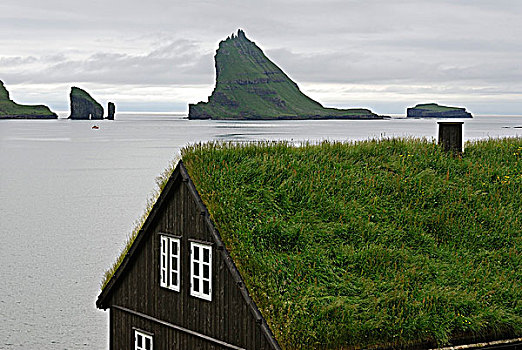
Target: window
x,y
169,262
142,341
200,270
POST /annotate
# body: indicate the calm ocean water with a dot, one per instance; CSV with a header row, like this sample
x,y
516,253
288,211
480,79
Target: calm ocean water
x,y
69,196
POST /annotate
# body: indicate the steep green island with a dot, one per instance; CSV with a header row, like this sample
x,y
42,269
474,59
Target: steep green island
x,y
433,110
83,106
250,86
12,110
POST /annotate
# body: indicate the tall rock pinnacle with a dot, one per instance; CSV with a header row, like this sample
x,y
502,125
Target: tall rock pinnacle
x,y
251,86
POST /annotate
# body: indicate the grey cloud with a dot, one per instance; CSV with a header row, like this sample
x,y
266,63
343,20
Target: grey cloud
x,y
16,61
178,62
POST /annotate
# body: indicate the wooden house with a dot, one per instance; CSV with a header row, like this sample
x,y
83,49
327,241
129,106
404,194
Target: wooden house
x,y
178,286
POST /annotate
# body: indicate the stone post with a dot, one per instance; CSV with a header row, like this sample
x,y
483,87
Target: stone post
x,y
111,110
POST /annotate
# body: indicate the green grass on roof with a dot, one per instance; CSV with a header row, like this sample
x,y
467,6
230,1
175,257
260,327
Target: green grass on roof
x,y
374,243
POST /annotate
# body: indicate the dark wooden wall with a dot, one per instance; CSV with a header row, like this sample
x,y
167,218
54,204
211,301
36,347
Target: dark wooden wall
x,y
228,317
450,136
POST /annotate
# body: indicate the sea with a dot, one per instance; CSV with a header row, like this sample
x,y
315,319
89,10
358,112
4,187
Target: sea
x,y
70,196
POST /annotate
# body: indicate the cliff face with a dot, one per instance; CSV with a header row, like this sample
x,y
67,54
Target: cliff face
x,y
250,86
12,110
433,110
83,106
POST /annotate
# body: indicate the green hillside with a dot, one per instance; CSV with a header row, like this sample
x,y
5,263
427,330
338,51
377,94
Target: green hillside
x,y
250,86
376,243
12,110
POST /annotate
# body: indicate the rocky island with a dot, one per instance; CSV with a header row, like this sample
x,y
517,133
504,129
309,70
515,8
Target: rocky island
x,y
12,110
83,106
250,86
433,110
111,110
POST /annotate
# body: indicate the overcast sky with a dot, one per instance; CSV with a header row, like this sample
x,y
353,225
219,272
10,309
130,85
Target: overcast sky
x,y
157,55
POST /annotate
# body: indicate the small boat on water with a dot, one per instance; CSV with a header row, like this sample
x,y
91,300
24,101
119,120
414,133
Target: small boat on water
x,y
95,127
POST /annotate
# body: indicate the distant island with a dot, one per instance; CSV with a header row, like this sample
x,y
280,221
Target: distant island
x,y
83,106
12,110
433,110
250,86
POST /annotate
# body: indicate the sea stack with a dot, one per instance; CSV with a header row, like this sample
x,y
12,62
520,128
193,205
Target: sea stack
x,y
251,86
12,110
433,110
111,110
83,106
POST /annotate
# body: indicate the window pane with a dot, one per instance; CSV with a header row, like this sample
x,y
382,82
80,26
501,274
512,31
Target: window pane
x,y
206,255
140,341
196,269
174,279
206,271
174,247
206,287
147,344
174,263
195,284
196,253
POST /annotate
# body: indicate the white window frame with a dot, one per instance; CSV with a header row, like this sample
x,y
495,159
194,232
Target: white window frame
x,y
168,267
144,336
197,270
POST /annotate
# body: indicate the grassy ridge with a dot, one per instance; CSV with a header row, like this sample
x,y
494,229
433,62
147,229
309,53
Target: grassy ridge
x,y
9,108
84,95
433,107
373,243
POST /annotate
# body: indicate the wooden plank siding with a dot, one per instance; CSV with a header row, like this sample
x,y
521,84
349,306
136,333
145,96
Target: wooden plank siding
x,y
230,317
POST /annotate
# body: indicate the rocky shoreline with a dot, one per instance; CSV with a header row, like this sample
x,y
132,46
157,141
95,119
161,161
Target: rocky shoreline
x,y
196,116
27,116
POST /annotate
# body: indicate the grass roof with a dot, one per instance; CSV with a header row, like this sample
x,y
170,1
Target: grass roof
x,y
374,243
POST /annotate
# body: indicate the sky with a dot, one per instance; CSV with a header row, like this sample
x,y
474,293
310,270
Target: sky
x,y
157,55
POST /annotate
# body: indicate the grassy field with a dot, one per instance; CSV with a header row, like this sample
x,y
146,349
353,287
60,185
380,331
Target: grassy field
x,y
374,243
